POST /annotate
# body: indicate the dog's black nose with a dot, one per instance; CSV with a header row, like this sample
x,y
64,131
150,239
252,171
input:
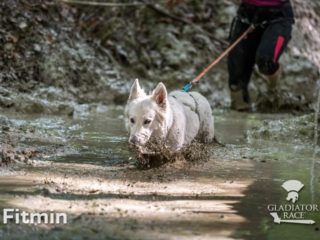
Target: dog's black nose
x,y
133,140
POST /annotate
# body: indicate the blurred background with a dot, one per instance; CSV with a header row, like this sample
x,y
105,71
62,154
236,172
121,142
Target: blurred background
x,y
58,54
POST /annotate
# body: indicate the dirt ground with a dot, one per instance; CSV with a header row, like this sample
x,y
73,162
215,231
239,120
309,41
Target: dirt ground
x,y
178,201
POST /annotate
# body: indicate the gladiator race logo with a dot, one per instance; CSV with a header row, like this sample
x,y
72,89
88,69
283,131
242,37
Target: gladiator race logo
x,y
293,188
292,213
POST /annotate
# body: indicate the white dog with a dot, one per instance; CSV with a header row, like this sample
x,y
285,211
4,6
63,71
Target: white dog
x,y
174,120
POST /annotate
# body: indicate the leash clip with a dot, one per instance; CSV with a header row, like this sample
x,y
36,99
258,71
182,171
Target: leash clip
x,y
187,87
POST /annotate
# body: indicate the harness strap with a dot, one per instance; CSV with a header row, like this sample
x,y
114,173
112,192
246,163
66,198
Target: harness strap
x,y
196,104
259,24
196,110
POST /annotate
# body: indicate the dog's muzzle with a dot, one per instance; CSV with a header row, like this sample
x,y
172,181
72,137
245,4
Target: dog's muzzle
x,y
134,140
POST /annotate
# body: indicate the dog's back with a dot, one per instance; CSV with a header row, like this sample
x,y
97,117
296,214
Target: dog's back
x,y
198,113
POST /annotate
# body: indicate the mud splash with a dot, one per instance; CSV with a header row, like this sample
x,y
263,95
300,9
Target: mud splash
x,y
158,154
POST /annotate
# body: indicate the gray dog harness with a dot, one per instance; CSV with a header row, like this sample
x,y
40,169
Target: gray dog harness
x,y
196,110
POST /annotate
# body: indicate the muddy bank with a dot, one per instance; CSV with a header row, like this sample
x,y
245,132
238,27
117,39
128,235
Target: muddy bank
x,y
47,64
32,137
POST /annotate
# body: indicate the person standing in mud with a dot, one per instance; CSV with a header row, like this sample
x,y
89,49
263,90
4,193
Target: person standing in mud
x,y
264,46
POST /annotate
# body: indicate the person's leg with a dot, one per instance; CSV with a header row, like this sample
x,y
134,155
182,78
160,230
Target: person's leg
x,y
275,40
240,65
273,43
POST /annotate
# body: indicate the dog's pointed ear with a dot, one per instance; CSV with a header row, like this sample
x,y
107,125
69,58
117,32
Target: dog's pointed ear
x,y
160,95
136,91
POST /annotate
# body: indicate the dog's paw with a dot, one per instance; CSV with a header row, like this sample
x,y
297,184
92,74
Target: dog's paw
x,y
207,137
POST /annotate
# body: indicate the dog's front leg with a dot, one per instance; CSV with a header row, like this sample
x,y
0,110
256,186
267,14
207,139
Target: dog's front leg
x,y
176,139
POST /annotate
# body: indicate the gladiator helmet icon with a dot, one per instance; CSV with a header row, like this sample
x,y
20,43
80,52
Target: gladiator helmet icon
x,y
292,187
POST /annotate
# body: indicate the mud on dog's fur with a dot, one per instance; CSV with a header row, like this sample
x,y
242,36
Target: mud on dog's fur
x,y
173,120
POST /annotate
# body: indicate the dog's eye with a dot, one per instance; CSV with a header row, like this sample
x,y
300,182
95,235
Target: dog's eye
x,y
146,122
132,120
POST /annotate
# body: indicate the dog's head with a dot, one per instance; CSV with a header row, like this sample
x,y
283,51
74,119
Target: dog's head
x,y
145,115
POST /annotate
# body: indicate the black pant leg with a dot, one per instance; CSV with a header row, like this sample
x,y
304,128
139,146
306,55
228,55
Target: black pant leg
x,y
242,58
275,38
273,42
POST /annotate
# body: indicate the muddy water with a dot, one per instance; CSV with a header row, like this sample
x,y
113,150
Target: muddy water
x,y
94,180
